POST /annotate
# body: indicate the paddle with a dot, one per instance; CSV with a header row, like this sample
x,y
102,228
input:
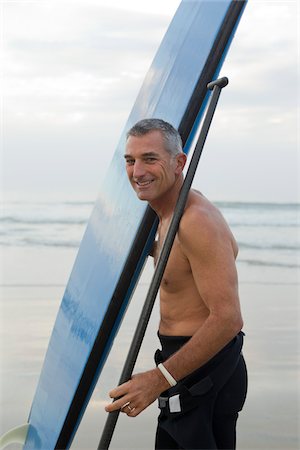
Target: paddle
x,y
137,340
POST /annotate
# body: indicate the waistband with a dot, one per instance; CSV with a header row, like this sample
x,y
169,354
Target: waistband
x,y
171,344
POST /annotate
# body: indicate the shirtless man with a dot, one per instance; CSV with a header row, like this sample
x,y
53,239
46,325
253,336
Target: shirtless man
x,y
200,318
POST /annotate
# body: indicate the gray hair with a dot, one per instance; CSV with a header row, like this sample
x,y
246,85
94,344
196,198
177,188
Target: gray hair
x,y
172,139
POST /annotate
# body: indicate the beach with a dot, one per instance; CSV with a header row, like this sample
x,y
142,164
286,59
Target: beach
x,y
38,247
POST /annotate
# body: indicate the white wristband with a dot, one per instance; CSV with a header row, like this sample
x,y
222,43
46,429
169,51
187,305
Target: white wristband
x,y
167,375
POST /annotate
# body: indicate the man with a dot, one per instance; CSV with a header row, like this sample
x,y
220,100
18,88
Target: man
x,y
200,378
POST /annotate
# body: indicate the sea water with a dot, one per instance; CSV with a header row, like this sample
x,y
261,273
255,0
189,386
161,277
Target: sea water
x,y
267,233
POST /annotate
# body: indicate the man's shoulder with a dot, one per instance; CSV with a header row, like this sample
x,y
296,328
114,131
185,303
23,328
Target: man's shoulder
x,y
200,211
201,217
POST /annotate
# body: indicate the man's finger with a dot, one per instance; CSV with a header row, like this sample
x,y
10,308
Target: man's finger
x,y
117,404
119,390
112,407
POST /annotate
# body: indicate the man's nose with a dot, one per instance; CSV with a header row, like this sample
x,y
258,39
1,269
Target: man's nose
x,y
138,169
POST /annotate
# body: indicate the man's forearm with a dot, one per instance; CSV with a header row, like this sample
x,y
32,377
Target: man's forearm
x,y
213,335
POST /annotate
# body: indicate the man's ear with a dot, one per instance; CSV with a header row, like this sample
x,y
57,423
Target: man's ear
x,y
180,160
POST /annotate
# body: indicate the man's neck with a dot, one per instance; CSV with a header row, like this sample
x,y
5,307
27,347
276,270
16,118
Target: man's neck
x,y
165,205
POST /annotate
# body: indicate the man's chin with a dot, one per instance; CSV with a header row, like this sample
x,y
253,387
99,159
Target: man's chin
x,y
143,196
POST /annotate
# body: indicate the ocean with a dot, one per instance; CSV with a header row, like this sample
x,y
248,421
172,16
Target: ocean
x,y
267,233
38,245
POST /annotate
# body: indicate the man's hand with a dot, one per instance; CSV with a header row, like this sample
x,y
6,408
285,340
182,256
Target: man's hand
x,y
138,393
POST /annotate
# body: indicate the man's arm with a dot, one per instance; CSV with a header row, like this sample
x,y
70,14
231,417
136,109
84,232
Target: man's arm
x,y
206,241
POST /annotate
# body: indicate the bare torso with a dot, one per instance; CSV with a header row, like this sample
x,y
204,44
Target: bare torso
x,y
182,310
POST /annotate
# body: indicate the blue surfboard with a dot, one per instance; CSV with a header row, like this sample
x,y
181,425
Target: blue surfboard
x,y
121,228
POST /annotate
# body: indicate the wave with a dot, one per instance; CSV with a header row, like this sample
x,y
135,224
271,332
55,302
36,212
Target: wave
x,y
21,240
270,224
257,205
43,221
31,242
50,203
66,212
69,220
269,246
256,262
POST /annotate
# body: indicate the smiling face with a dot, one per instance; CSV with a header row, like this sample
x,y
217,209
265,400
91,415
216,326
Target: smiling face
x,y
151,169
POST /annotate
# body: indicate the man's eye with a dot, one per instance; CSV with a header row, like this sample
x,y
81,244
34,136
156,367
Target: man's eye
x,y
130,162
150,159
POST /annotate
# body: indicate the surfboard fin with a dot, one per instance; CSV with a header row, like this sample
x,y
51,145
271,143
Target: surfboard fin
x,y
14,436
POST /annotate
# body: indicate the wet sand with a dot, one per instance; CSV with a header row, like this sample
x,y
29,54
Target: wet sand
x,y
32,287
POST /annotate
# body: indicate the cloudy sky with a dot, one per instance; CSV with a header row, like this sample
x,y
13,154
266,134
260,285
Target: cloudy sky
x,y
71,70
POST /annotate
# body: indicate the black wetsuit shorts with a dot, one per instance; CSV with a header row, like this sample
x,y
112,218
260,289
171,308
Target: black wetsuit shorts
x,y
201,411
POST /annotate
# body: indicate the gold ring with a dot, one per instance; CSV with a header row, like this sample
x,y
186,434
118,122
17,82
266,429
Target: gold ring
x,y
124,406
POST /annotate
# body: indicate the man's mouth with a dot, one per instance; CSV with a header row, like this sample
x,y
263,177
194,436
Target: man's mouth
x,y
144,183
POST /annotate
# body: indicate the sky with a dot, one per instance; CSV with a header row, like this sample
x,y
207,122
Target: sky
x,y
70,73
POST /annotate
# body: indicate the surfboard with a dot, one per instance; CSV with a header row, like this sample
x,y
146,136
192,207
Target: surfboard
x,y
121,228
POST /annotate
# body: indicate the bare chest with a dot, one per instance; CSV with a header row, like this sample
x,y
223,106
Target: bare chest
x,y
177,271
182,310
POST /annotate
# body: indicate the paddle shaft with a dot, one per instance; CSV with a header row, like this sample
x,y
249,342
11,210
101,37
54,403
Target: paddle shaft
x,y
137,340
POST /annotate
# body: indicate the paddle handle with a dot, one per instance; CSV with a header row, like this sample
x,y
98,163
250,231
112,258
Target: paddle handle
x,y
216,87
220,82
